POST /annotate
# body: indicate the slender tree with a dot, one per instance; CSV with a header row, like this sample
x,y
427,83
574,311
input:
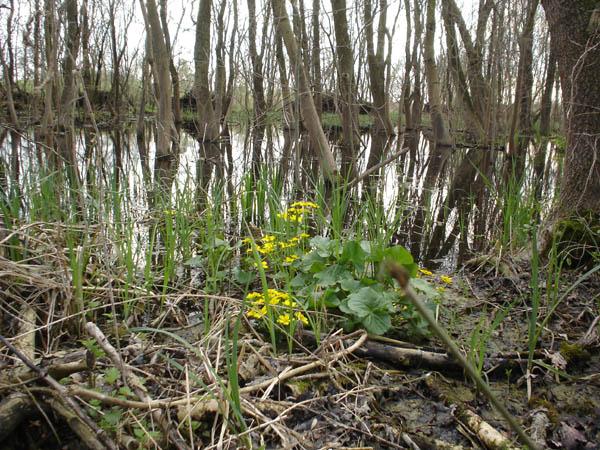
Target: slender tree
x,y
308,110
346,83
207,125
166,131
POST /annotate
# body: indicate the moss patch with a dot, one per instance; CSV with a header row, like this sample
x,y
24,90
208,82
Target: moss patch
x,y
577,240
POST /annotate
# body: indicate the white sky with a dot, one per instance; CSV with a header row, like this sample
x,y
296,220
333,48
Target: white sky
x,y
184,12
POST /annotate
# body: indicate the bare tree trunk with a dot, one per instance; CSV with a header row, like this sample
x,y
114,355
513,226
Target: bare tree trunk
x,y
232,64
307,105
8,68
220,73
377,67
539,160
69,93
141,125
51,50
520,129
382,129
347,88
208,125
471,86
173,72
440,147
575,36
259,105
289,121
316,57
166,132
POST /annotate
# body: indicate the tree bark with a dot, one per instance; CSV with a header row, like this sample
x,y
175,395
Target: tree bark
x,y
382,129
207,126
347,89
67,102
258,92
520,130
166,132
310,117
575,38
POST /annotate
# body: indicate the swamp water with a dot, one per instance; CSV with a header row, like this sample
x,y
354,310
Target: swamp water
x,y
111,170
120,251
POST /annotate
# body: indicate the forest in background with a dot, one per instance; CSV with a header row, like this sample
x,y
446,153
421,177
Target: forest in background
x,y
194,197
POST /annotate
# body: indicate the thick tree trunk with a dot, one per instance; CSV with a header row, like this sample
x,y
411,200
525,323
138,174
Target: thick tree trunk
x,y
576,42
575,38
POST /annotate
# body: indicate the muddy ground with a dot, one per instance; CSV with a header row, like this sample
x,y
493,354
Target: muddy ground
x,y
319,396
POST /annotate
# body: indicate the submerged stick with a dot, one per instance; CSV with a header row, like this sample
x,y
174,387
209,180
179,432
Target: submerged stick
x,y
400,275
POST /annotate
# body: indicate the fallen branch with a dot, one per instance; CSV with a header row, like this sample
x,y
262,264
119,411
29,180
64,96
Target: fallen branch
x,y
375,168
135,384
401,276
13,410
102,435
488,435
81,429
59,366
305,368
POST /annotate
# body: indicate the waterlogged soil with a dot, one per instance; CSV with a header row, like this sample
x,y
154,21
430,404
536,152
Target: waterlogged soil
x,y
368,403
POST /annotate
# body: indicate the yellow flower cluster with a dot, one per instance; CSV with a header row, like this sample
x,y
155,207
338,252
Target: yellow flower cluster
x,y
446,279
268,245
290,259
263,264
443,278
259,303
425,272
295,213
265,246
285,319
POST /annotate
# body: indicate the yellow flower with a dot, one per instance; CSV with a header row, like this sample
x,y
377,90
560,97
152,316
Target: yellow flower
x,y
265,249
275,296
290,216
304,204
263,264
268,238
303,235
440,289
446,279
290,259
247,240
257,313
284,319
290,303
301,317
426,272
253,296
